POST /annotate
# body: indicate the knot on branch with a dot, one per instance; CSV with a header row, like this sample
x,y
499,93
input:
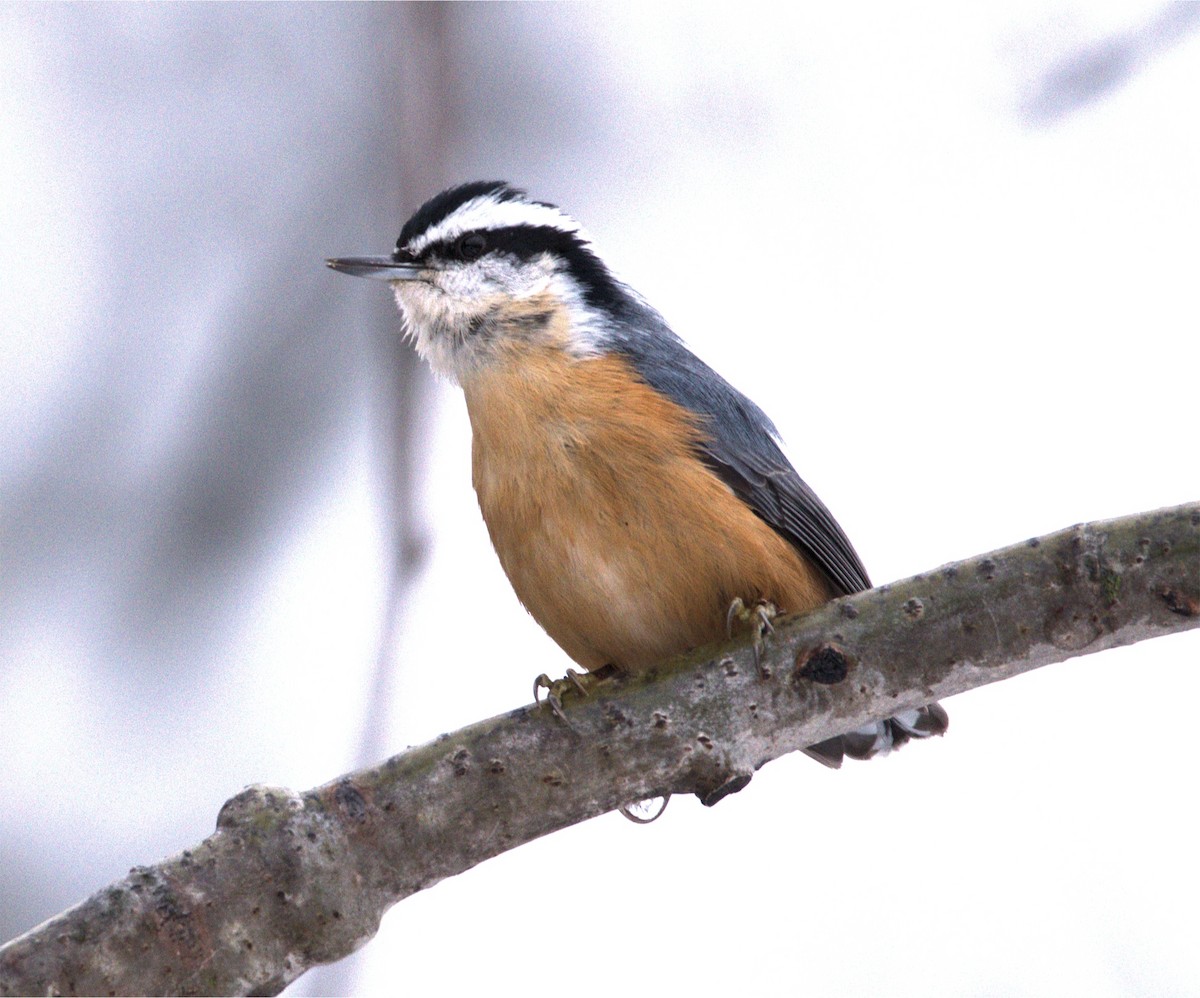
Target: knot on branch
x,y
255,806
825,664
1177,601
730,786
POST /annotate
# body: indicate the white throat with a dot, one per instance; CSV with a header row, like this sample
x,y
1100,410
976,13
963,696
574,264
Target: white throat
x,y
461,320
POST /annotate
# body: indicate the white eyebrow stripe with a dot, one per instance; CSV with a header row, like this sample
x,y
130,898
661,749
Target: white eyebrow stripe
x,y
488,212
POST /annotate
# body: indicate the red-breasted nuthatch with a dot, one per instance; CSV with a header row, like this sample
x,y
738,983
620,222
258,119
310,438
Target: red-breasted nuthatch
x,y
633,496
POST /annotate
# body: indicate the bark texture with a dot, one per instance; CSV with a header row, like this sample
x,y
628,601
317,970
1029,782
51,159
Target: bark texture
x,y
291,880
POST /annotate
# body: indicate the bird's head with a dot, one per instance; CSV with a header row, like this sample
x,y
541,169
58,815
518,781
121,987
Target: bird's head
x,y
482,267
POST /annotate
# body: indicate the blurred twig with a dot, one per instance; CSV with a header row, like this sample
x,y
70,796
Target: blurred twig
x,y
1096,70
291,880
428,121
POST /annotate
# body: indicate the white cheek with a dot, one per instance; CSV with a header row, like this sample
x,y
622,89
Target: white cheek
x,y
428,324
445,307
465,284
417,302
441,313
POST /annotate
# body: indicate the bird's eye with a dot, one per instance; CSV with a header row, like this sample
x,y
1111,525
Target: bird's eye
x,y
472,245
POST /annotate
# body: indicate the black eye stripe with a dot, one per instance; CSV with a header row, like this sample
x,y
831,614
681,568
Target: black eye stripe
x,y
521,241
471,246
526,242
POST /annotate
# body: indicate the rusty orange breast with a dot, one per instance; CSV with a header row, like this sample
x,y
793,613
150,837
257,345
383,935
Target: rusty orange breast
x,y
616,537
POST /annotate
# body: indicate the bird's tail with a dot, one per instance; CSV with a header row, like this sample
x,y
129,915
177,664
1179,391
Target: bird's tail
x,y
880,737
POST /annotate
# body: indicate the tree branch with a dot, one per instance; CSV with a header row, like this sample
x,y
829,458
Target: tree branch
x,y
291,880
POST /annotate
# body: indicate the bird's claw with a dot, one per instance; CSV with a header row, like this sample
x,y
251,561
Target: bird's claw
x,y
757,619
553,700
554,690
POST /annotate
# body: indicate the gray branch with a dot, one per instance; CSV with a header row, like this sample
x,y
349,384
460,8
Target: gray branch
x,y
291,880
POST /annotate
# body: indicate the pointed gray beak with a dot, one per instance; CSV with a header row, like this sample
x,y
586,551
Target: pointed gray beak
x,y
382,268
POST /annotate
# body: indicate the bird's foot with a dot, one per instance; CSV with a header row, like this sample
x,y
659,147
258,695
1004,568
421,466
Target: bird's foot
x,y
755,619
555,688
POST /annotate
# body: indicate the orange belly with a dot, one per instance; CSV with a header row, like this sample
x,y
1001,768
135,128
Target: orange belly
x,y
615,536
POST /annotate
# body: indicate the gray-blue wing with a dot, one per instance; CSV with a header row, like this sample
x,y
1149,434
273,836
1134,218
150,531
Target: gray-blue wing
x,y
771,487
742,449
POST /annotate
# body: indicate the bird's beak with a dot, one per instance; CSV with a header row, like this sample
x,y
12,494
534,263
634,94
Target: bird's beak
x,y
382,268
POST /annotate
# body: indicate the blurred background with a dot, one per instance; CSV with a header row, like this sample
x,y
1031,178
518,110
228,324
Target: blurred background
x,y
952,252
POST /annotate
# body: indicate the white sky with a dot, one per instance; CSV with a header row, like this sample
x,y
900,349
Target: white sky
x,y
970,329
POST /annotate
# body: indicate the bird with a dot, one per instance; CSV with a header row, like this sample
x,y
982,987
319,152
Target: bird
x,y
639,504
